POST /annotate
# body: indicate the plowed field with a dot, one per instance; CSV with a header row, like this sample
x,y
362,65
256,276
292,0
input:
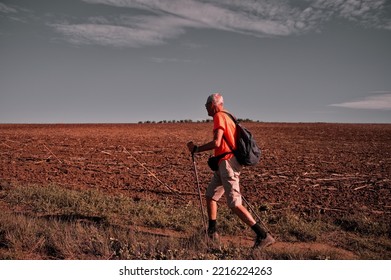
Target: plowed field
x,y
311,169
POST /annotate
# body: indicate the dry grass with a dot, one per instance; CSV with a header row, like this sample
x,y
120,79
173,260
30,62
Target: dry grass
x,y
51,222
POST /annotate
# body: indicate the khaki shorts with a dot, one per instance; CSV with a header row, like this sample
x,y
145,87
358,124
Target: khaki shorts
x,y
226,180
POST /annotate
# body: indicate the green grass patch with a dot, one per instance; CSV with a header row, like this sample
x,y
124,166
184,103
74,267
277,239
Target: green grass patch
x,y
53,222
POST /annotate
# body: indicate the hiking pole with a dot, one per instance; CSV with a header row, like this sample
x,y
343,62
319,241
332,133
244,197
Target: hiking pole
x,y
252,210
199,195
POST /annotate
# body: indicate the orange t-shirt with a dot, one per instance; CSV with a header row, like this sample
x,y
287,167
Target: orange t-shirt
x,y
223,121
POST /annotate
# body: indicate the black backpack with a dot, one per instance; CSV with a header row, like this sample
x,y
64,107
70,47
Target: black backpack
x,y
247,151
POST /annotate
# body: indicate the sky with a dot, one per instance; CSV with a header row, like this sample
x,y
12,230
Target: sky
x,y
125,61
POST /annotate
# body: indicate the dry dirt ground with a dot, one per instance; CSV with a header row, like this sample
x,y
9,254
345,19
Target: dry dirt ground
x,y
311,169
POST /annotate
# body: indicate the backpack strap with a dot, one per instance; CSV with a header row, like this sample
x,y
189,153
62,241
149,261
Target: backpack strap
x,y
236,123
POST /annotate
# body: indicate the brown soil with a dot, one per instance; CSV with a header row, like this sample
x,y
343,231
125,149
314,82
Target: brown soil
x,y
277,247
315,170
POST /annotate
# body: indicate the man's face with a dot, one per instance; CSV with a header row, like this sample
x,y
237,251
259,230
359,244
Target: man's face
x,y
210,108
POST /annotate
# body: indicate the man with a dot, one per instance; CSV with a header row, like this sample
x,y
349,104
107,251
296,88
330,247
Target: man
x,y
226,179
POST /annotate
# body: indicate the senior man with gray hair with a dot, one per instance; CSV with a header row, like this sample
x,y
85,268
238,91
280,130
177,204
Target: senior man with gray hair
x,y
225,180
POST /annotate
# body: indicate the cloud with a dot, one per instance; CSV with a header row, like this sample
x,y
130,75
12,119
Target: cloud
x,y
377,102
212,14
16,13
168,19
107,35
134,32
369,13
172,60
6,9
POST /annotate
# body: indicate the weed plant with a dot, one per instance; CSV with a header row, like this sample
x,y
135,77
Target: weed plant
x,y
53,222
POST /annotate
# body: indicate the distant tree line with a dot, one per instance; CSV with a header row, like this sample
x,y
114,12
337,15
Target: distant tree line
x,y
189,121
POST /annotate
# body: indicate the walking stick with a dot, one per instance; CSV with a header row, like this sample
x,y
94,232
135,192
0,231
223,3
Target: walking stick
x,y
199,195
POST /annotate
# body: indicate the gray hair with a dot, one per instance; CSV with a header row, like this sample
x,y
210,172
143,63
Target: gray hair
x,y
216,99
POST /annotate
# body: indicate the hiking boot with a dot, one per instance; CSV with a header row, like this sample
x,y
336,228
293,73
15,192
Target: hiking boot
x,y
214,236
262,243
214,241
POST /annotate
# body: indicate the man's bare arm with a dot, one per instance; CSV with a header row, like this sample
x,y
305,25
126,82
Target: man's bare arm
x,y
215,143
